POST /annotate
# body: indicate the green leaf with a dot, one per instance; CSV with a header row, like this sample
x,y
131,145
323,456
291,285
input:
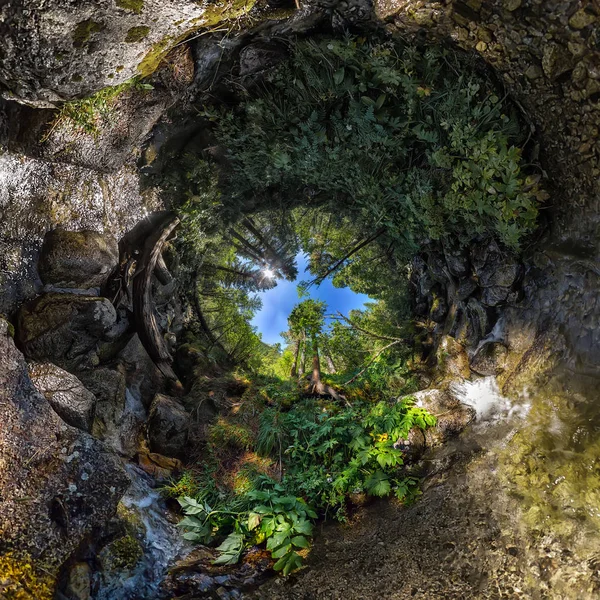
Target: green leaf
x,y
338,76
300,541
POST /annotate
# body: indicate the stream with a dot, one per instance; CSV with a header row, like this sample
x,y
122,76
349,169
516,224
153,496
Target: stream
x,y
161,541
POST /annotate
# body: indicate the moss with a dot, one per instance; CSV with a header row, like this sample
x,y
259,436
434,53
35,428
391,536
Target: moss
x,y
122,554
76,77
20,579
135,6
120,68
10,330
137,34
84,30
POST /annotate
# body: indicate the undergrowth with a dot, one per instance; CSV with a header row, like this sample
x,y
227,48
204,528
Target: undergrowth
x,y
294,463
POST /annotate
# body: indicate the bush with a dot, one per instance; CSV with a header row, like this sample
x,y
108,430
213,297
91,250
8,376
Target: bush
x,y
408,138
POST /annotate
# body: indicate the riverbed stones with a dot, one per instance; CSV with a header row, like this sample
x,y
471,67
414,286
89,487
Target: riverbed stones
x,y
65,328
77,259
57,483
168,426
73,403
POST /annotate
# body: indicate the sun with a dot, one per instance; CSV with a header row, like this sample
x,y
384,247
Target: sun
x,y
268,273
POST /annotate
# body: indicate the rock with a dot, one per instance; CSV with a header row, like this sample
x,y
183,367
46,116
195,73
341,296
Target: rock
x,y
168,426
452,415
497,273
54,52
556,61
122,554
260,57
439,309
64,328
159,466
493,296
512,5
119,416
73,403
490,359
77,259
79,582
141,374
456,259
452,358
58,484
581,19
465,288
533,72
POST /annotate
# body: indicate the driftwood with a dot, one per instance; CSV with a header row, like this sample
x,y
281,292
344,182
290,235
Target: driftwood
x,y
143,307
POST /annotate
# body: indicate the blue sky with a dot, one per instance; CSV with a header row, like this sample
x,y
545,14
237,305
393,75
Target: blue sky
x,y
278,302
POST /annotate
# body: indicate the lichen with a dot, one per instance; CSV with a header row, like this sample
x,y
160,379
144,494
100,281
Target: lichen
x,y
135,6
20,579
137,34
83,32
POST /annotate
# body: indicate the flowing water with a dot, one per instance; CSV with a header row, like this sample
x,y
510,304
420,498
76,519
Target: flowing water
x,y
161,542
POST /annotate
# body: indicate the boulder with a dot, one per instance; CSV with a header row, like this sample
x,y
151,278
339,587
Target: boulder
x,y
490,359
64,328
54,51
57,483
119,416
77,259
73,403
168,426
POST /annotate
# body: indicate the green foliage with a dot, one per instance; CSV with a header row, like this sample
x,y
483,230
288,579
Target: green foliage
x,y
407,138
332,452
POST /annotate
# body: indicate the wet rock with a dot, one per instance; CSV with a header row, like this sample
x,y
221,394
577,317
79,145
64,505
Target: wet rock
x,y
168,426
581,19
159,466
493,296
122,554
64,328
73,403
490,359
83,48
77,259
57,483
79,582
452,358
452,415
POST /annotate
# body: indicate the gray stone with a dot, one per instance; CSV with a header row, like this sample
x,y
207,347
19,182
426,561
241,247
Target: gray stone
x,y
64,328
77,259
168,426
54,51
58,484
73,403
493,296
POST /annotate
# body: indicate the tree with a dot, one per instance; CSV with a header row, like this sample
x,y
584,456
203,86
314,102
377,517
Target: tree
x,y
307,319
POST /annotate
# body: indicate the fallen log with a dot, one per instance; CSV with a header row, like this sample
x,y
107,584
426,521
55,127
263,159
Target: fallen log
x,y
144,312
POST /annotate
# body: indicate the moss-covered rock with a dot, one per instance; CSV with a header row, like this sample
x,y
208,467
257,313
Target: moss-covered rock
x,y
123,554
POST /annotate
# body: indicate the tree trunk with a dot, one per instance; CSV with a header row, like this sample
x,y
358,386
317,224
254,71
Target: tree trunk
x,y
294,371
302,364
315,378
143,306
330,366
